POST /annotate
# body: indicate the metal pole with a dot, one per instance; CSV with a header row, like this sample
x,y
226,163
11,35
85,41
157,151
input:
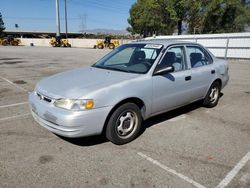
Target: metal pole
x,y
66,22
226,49
57,19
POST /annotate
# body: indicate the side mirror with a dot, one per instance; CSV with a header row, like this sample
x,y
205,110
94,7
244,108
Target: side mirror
x,y
164,70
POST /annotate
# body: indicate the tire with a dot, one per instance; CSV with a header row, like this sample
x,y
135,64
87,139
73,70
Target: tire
x,y
111,46
100,46
213,95
14,43
124,124
4,43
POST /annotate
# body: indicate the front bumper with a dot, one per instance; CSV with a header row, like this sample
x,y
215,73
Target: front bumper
x,y
68,123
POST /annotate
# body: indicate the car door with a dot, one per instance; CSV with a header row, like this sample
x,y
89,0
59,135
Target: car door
x,y
202,70
172,89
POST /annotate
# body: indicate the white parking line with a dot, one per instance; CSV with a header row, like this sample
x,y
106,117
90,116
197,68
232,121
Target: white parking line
x,y
185,178
16,104
10,82
229,177
14,117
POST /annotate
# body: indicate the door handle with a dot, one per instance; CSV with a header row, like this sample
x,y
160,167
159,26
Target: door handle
x,y
212,71
187,78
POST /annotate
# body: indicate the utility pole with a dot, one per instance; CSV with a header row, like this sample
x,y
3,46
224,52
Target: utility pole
x,y
57,19
66,22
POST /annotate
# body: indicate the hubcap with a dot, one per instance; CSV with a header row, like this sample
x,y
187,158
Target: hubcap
x,y
214,94
126,124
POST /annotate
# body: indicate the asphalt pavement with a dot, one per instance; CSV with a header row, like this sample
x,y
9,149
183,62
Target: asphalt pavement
x,y
189,147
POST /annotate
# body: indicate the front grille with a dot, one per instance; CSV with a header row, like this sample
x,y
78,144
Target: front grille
x,y
43,97
47,99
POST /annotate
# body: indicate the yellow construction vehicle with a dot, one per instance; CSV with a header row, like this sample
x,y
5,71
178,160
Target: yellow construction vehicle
x,y
9,40
107,43
65,43
58,42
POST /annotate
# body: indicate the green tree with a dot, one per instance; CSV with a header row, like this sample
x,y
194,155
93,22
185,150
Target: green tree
x,y
226,16
2,28
148,17
178,10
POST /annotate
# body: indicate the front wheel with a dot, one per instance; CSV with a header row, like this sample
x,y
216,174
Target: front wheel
x,y
4,43
213,95
14,43
100,46
124,124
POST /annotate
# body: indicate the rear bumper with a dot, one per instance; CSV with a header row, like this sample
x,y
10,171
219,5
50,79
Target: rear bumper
x,y
68,123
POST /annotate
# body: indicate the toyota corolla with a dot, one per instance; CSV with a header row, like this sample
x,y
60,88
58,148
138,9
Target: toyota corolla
x,y
129,85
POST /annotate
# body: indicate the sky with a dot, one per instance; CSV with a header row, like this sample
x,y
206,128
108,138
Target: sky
x,y
40,15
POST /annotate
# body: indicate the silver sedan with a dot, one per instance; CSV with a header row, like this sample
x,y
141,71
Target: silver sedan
x,y
129,85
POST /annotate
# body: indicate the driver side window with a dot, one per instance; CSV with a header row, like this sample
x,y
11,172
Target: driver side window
x,y
174,57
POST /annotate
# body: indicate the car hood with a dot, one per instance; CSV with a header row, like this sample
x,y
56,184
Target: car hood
x,y
76,83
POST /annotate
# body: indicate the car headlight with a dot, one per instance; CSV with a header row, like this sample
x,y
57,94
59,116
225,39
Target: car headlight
x,y
74,104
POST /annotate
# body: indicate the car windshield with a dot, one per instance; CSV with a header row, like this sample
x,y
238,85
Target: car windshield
x,y
132,58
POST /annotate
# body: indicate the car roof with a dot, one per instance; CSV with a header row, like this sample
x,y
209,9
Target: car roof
x,y
164,42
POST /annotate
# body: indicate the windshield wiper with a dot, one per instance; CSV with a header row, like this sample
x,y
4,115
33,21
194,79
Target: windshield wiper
x,y
117,69
111,68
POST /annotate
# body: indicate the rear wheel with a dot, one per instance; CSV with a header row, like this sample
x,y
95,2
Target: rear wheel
x,y
213,95
124,124
111,46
